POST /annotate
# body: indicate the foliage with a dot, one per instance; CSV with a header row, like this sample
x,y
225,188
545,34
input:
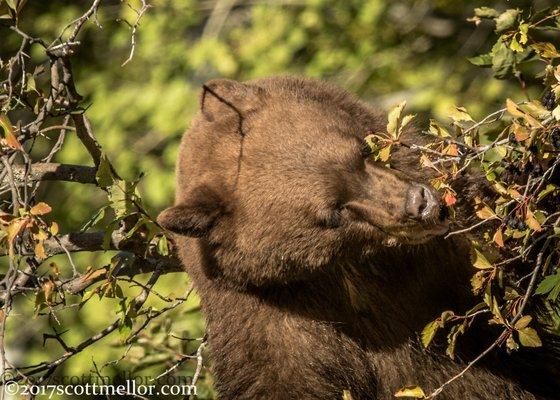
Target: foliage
x,y
515,150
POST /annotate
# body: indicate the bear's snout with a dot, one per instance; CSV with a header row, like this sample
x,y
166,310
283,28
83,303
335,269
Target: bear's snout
x,y
421,203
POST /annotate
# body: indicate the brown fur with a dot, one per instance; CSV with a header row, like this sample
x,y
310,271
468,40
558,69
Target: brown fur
x,y
285,229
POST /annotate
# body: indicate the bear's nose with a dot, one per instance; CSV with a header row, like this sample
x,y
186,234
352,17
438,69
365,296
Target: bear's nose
x,y
421,203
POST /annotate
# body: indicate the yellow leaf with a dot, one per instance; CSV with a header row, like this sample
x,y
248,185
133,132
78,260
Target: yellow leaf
x,y
514,110
480,261
429,332
437,129
40,251
385,153
14,229
485,212
529,337
546,50
7,137
346,395
426,162
394,120
41,235
523,322
411,391
451,150
514,194
532,222
54,229
40,209
48,288
460,114
520,132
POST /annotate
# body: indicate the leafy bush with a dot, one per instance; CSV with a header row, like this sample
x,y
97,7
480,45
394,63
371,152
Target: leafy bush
x,y
516,238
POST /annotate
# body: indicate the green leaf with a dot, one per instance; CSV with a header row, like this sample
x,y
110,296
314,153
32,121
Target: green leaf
x,y
483,60
411,391
11,4
120,196
515,45
503,60
529,337
507,19
125,328
104,175
429,332
550,285
40,301
163,246
98,216
486,12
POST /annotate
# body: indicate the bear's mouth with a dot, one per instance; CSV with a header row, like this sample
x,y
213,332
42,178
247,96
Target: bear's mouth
x,y
412,235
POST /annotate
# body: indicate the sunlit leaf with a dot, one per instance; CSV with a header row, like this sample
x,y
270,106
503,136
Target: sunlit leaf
x,y
507,19
546,50
346,395
486,12
523,322
7,137
385,153
460,114
550,286
529,337
498,237
480,261
437,129
40,208
394,120
503,60
429,332
411,391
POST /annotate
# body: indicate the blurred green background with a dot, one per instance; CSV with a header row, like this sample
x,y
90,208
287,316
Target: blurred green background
x,y
384,51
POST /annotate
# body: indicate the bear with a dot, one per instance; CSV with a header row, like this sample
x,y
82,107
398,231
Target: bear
x,y
317,267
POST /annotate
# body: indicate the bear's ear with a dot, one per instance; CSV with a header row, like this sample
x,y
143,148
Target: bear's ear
x,y
221,97
195,215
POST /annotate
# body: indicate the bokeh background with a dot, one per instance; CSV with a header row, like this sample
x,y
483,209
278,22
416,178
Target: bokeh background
x,y
385,51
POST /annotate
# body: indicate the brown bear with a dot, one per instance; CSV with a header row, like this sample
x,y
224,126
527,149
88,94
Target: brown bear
x,y
317,268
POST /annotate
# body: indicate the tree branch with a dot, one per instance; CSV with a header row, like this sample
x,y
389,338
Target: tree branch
x,y
52,172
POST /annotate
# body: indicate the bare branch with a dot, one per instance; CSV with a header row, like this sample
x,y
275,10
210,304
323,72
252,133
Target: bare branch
x,y
52,172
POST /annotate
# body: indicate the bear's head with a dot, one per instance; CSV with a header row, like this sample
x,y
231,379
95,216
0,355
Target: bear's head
x,y
273,175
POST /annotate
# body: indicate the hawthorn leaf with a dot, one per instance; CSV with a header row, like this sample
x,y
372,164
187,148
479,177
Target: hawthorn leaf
x,y
415,392
429,332
529,337
480,261
506,19
40,208
523,322
486,12
503,60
